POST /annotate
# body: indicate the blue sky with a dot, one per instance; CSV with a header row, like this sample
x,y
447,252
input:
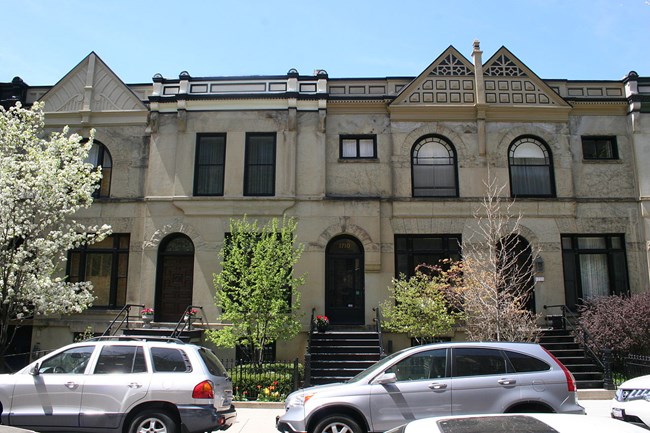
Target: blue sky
x,y
572,39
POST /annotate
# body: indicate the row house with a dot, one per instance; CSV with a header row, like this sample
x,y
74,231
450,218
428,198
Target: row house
x,y
381,174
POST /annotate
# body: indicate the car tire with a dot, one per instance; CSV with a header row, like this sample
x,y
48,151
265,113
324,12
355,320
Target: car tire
x,y
153,420
338,424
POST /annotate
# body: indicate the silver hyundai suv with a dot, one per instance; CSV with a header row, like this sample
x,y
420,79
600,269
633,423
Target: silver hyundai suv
x,y
436,379
120,384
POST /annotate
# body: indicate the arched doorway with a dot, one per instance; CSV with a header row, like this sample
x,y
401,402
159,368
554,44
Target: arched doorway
x,y
515,258
175,277
344,281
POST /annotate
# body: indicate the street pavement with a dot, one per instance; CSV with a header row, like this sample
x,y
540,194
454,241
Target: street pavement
x,y
254,419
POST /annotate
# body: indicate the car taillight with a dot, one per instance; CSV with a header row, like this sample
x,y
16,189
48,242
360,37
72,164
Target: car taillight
x,y
204,389
570,380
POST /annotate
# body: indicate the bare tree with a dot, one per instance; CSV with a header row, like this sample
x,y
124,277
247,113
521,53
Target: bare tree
x,y
498,273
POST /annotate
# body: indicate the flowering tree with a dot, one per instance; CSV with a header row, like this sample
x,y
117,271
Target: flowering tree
x,y
43,182
257,289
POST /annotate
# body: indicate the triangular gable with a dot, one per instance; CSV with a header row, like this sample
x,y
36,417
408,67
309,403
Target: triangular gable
x,y
448,80
509,81
92,87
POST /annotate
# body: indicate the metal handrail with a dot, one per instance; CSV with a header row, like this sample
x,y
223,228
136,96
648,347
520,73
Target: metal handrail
x,y
186,320
378,322
124,319
312,327
583,336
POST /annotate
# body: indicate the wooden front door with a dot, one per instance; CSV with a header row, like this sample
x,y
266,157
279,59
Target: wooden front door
x,y
175,278
344,291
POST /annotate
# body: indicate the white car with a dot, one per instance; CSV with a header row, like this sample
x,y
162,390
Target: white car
x,y
632,401
517,423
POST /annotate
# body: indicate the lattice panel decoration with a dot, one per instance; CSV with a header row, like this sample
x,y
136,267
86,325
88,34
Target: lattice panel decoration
x,y
451,65
503,66
515,91
445,90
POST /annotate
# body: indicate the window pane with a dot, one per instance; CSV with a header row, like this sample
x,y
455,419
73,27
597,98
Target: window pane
x,y
349,148
116,359
367,148
592,243
169,360
421,366
98,271
72,361
210,161
477,362
260,165
594,275
525,363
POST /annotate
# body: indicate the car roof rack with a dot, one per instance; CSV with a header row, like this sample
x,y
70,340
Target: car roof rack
x,y
136,338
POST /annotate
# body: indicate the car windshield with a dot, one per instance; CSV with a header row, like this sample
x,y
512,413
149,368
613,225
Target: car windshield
x,y
495,424
377,367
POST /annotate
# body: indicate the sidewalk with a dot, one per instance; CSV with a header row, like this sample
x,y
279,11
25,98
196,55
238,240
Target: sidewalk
x,y
260,418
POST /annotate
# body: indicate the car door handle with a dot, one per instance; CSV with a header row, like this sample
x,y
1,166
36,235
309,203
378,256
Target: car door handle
x,y
438,386
71,385
507,381
135,385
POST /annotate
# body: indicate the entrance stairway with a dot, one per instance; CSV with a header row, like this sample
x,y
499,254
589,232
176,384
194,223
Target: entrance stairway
x,y
340,353
562,344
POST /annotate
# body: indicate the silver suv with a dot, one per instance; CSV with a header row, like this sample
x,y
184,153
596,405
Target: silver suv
x,y
436,379
120,384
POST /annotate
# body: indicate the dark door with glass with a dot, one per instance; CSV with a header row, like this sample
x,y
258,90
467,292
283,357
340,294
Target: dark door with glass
x,y
175,278
344,285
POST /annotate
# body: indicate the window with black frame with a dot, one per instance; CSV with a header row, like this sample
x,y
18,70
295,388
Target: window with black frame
x,y
99,156
413,250
209,164
434,168
599,148
259,170
358,147
105,265
531,168
594,265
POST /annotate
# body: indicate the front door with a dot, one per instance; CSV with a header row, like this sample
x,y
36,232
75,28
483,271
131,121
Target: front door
x,y
175,278
344,292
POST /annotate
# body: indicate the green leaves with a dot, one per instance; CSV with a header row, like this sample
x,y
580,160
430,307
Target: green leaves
x,y
257,289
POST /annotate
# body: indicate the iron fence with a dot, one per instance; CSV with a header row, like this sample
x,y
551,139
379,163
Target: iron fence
x,y
269,381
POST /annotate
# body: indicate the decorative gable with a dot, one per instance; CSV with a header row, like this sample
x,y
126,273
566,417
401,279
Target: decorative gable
x,y
91,87
508,81
448,80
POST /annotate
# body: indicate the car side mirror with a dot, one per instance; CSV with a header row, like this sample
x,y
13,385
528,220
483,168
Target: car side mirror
x,y
34,371
385,378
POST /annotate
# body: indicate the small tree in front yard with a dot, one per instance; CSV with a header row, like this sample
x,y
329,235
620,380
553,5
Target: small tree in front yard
x,y
257,289
420,305
497,268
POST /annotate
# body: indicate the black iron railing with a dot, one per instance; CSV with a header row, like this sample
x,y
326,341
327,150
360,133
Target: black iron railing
x,y
312,328
121,319
269,381
378,324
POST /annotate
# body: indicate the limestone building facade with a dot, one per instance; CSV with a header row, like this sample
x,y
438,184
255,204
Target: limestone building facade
x,y
380,173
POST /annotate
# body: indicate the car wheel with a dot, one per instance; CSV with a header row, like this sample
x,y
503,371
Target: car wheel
x,y
338,424
153,421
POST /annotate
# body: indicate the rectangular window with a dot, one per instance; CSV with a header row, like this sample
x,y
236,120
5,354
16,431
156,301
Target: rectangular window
x,y
594,265
259,171
209,164
121,359
170,360
413,250
105,265
599,147
358,147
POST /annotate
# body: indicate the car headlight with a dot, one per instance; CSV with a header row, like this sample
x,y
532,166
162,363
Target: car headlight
x,y
297,399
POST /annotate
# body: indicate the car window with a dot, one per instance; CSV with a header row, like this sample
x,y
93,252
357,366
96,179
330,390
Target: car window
x,y
477,362
423,365
525,363
121,359
170,360
215,367
71,361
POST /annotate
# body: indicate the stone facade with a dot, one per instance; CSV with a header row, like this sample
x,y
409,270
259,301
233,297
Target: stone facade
x,y
344,167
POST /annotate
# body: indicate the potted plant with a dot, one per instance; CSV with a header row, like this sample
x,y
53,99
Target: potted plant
x,y
322,323
190,314
147,316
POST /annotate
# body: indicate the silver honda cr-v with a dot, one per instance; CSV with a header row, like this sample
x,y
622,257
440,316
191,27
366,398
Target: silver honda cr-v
x,y
436,379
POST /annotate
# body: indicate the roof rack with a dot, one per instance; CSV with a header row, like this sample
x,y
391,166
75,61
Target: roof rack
x,y
136,338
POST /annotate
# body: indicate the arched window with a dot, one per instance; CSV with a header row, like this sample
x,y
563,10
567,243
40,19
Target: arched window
x,y
531,168
433,168
99,156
